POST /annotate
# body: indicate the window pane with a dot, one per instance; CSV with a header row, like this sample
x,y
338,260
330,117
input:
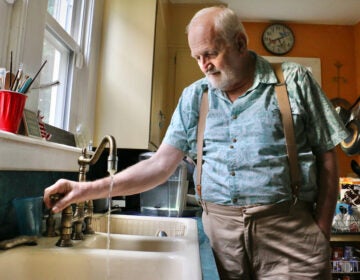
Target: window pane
x,y
62,11
70,15
52,100
59,50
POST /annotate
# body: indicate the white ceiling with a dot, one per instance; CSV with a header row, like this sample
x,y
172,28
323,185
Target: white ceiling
x,y
339,12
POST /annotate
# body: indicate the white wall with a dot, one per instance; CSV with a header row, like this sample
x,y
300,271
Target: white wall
x,y
5,15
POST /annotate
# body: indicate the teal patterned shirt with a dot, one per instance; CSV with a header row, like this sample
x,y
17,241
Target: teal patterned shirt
x,y
245,158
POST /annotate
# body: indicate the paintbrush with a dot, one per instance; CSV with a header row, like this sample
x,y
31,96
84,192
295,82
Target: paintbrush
x,y
26,86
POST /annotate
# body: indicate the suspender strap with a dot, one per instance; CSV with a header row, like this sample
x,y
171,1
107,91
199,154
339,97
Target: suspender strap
x,y
285,110
204,107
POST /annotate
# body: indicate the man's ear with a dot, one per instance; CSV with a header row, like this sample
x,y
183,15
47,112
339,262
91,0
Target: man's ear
x,y
241,42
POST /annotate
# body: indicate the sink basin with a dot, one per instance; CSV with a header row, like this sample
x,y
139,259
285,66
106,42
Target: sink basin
x,y
64,263
137,254
144,225
133,243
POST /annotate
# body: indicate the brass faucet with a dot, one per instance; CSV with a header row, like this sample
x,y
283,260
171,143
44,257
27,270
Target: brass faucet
x,y
72,223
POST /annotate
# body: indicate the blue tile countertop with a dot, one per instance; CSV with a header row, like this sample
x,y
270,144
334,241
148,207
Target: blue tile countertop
x,y
208,265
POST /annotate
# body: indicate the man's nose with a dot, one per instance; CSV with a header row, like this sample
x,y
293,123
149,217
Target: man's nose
x,y
204,64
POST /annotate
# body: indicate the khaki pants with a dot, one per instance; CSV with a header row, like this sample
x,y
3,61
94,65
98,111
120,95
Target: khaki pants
x,y
279,241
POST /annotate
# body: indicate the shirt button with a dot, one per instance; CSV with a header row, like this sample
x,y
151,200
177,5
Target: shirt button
x,y
234,117
232,173
234,140
234,200
231,147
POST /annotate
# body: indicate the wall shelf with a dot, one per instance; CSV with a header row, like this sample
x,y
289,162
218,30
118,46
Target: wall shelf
x,y
355,237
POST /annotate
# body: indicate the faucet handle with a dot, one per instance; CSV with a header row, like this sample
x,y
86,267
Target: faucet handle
x,y
56,197
50,221
50,226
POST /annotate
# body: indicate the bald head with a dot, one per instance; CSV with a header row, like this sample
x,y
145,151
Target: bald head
x,y
223,21
205,16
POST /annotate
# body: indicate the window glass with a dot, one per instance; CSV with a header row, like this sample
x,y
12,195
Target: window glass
x,y
52,97
65,17
62,11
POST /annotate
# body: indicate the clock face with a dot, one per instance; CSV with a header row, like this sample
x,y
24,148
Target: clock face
x,y
278,39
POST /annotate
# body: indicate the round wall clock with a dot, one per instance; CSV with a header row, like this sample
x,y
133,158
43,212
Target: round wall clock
x,y
278,38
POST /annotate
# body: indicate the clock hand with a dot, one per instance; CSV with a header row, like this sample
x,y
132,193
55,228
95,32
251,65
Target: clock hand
x,y
273,41
281,37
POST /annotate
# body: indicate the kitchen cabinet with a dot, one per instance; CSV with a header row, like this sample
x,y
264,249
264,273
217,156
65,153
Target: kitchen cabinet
x,y
159,104
133,81
123,101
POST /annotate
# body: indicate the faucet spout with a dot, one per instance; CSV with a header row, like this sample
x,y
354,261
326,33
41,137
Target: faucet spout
x,y
73,223
112,158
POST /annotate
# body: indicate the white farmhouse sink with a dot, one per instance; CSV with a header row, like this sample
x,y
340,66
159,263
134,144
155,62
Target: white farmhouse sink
x,y
137,256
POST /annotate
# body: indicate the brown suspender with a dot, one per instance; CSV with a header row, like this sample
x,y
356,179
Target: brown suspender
x,y
285,110
204,108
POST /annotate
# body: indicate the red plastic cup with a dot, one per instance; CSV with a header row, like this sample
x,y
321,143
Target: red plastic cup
x,y
11,110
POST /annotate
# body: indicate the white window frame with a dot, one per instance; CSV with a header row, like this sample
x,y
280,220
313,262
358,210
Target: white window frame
x,y
74,45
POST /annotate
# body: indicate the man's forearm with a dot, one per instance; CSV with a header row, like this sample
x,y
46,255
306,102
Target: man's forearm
x,y
328,184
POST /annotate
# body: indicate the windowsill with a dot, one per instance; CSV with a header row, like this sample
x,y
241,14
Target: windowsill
x,y
28,153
